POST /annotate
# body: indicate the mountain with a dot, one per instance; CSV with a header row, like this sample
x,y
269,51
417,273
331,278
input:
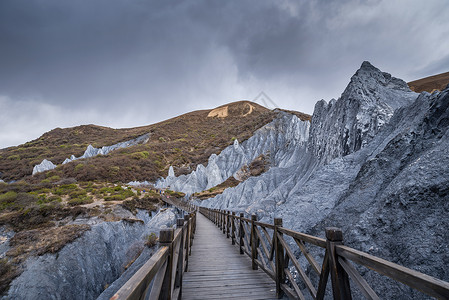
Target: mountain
x,y
430,84
373,162
182,142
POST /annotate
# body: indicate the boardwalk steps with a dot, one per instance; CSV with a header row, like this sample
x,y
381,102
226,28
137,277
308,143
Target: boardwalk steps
x,y
218,271
207,262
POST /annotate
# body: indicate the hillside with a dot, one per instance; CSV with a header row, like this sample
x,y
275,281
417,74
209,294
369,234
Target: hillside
x,y
430,84
372,162
59,206
183,142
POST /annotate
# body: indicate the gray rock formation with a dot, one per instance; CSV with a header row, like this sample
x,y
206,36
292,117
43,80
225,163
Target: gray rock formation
x,y
375,164
45,165
278,139
91,151
83,268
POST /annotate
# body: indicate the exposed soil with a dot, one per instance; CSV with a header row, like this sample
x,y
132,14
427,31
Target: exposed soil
x,y
430,84
184,142
258,166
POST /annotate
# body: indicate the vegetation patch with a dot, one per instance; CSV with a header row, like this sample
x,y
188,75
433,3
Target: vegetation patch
x,y
41,241
151,240
149,203
216,190
258,166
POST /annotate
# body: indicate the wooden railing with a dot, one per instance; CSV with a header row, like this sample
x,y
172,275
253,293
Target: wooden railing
x,y
267,246
161,276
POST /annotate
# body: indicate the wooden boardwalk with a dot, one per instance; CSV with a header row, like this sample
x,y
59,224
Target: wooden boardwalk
x,y
217,271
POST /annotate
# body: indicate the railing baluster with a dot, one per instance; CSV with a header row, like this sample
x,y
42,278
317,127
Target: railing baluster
x,y
339,277
241,233
254,245
166,239
279,256
233,228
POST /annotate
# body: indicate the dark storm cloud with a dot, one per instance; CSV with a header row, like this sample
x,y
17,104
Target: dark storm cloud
x,y
127,63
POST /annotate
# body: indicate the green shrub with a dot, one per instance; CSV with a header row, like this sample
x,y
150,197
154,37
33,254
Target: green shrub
x,y
77,193
106,190
175,194
7,199
80,200
151,240
5,267
79,167
13,157
140,155
117,197
118,188
114,170
65,189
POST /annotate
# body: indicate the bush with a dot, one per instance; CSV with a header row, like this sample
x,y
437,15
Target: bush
x,y
77,193
78,167
140,155
151,240
80,201
7,199
118,188
118,197
106,190
65,189
5,267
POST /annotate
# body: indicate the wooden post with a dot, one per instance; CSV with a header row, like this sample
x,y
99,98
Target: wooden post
x,y
192,230
339,278
180,267
225,222
228,225
186,218
279,252
166,236
253,242
233,228
241,233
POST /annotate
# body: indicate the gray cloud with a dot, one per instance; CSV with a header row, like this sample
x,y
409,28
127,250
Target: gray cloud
x,y
129,63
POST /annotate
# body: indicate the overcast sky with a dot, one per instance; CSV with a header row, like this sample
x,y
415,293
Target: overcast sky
x,y
127,63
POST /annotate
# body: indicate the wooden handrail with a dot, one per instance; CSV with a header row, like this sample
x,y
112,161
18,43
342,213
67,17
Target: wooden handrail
x,y
268,249
164,270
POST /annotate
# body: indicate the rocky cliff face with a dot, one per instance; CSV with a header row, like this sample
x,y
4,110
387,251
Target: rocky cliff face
x,y
91,151
278,140
374,164
343,126
84,268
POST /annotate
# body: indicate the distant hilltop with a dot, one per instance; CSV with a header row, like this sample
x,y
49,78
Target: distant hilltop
x,y
430,84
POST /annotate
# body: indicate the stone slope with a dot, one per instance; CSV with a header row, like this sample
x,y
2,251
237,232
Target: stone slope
x,y
277,140
182,142
375,164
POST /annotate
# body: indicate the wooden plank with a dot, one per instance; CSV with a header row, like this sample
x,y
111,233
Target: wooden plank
x,y
157,284
267,253
266,225
304,237
323,278
361,283
308,256
422,282
296,288
298,267
217,270
138,283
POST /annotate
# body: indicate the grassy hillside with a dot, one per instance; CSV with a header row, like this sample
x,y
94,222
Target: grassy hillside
x,y
430,84
184,142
